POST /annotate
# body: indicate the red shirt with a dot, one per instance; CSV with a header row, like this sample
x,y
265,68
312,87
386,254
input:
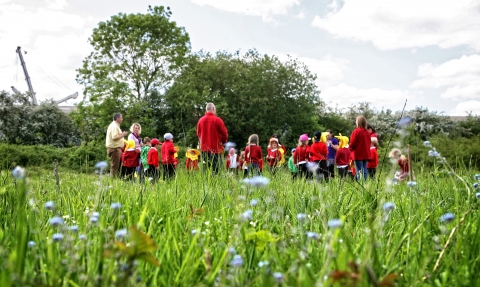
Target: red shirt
x,y
360,142
404,165
212,133
130,158
318,151
301,154
273,157
343,156
168,150
152,157
253,153
373,162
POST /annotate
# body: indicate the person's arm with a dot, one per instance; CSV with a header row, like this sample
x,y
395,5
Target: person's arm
x,y
223,131
334,145
120,136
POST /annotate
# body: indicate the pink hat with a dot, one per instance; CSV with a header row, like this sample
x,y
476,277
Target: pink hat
x,y
304,137
231,151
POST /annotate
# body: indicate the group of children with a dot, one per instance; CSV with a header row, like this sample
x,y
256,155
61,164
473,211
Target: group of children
x,y
143,160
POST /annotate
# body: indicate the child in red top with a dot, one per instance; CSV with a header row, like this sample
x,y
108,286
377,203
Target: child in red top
x,y
373,162
130,160
342,157
360,143
402,162
168,157
152,160
301,156
274,155
192,159
232,161
253,155
318,155
372,132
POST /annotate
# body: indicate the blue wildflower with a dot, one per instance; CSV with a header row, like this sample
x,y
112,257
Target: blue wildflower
x,y
263,263
447,217
312,235
334,223
121,233
57,237
256,181
55,221
73,228
301,216
95,214
237,261
433,153
404,122
31,243
478,195
193,232
247,215
229,145
388,206
82,237
427,144
253,202
278,277
18,173
475,185
101,165
476,177
93,219
411,183
49,205
232,250
116,205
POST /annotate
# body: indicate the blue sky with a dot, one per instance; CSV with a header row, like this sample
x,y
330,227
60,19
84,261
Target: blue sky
x,y
378,51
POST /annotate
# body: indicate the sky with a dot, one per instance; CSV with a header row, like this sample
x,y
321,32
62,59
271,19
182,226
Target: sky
x,y
383,52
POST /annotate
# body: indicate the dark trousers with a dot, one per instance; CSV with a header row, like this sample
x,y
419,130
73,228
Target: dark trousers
x,y
211,162
331,167
253,168
372,172
294,175
302,170
152,172
168,171
127,172
342,171
322,170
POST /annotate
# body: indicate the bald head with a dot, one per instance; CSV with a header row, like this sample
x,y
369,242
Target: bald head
x,y
211,108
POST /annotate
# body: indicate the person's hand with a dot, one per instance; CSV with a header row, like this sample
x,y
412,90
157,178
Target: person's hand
x,y
124,133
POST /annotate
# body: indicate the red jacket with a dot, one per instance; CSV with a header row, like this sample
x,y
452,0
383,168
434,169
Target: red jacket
x,y
152,157
130,158
253,154
404,165
168,150
373,162
342,157
212,133
360,142
273,157
301,154
318,151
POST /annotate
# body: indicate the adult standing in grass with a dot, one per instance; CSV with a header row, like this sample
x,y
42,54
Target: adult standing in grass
x,y
360,143
114,143
332,144
212,135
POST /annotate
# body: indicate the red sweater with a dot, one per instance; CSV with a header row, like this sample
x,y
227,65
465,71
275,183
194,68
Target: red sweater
x,y
373,162
212,133
274,157
152,157
318,151
360,142
404,165
130,158
253,154
343,156
301,154
168,150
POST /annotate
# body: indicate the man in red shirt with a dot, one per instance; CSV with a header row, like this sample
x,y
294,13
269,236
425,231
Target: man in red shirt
x,y
212,135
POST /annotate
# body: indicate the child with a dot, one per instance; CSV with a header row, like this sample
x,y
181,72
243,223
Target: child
x,y
144,158
243,164
291,165
300,157
232,161
360,143
402,162
129,160
342,157
372,132
168,157
373,162
274,155
318,155
152,160
192,159
253,155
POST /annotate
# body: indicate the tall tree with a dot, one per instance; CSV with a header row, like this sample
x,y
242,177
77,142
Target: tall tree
x,y
253,93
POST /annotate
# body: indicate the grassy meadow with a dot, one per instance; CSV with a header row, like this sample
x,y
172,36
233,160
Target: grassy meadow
x,y
201,230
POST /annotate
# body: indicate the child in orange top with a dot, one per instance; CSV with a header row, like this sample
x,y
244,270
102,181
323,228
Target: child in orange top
x,y
192,159
274,155
253,154
168,157
402,162
373,162
232,161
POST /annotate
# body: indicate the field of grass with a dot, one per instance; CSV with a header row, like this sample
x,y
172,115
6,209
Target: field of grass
x,y
218,231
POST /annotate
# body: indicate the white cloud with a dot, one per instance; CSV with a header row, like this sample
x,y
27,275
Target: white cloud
x,y
460,77
463,108
345,96
404,24
264,8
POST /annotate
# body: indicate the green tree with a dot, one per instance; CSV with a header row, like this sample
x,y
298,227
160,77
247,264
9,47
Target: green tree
x,y
253,93
134,55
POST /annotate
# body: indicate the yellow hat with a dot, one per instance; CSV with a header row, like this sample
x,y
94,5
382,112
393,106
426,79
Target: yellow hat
x,y
323,137
129,144
192,154
343,141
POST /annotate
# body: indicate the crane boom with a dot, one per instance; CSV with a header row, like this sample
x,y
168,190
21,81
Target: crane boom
x,y
27,77
72,96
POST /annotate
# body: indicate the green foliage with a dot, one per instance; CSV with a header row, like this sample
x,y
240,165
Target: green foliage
x,y
252,93
24,123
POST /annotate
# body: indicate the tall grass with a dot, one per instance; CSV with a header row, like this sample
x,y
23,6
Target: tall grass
x,y
205,236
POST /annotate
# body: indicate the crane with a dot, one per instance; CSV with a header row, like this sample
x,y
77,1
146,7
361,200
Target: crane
x,y
27,77
29,83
